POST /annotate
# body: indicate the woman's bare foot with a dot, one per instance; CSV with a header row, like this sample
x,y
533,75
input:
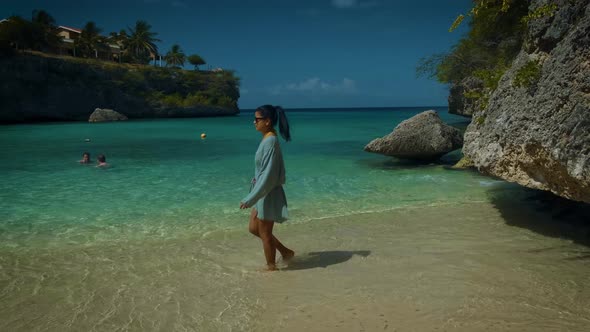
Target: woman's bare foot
x,y
271,267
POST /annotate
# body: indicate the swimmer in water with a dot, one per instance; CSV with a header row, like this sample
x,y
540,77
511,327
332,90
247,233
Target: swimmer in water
x,y
102,161
85,158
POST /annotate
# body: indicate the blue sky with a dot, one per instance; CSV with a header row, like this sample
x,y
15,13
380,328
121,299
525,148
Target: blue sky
x,y
294,53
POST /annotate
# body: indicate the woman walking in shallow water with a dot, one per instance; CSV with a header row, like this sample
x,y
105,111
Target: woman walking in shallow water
x,y
267,198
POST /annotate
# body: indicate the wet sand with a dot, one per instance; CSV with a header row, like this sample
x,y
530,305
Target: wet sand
x,y
446,268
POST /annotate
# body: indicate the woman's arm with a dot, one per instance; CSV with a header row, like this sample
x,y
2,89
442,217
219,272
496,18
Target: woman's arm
x,y
267,179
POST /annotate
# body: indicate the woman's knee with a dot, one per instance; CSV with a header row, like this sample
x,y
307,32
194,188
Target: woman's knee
x,y
265,229
253,229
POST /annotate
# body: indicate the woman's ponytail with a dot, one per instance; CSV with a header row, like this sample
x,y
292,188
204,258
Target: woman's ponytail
x,y
283,123
276,114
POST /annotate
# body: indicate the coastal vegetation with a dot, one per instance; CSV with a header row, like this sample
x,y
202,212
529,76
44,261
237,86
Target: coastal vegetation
x,y
86,69
135,45
196,61
528,74
175,57
496,33
141,43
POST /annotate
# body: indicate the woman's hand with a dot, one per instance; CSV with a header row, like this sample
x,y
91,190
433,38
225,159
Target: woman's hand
x,y
243,206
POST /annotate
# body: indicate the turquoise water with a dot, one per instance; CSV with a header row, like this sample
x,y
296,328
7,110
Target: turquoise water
x,y
164,179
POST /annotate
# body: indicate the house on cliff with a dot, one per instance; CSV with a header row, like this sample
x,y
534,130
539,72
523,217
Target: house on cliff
x,y
70,35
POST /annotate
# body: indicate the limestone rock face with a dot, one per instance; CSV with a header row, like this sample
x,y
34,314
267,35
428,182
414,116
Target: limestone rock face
x,y
422,137
35,88
105,114
538,135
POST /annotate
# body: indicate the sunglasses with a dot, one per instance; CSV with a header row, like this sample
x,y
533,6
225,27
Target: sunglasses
x,y
256,119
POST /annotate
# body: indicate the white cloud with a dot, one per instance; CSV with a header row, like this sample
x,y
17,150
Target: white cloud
x,y
316,86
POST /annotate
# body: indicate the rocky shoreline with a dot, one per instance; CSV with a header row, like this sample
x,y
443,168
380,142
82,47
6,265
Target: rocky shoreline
x,y
538,135
37,88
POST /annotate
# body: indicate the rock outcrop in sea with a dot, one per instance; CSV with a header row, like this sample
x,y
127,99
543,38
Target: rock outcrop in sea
x,y
38,88
105,115
421,137
536,128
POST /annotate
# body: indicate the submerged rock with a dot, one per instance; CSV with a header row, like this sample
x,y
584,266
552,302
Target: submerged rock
x,y
422,137
463,163
105,114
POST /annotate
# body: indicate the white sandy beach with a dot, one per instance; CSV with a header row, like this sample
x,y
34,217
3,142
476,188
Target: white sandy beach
x,y
446,268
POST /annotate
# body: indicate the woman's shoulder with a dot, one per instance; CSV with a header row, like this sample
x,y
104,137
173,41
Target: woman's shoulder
x,y
270,140
270,143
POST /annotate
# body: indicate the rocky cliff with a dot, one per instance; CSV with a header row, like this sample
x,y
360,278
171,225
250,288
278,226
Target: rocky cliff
x,y
459,104
536,128
43,88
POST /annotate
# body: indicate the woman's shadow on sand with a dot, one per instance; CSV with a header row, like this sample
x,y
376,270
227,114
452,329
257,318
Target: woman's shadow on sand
x,y
323,259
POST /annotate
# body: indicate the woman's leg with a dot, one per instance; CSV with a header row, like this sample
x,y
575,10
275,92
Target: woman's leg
x,y
286,253
268,244
253,225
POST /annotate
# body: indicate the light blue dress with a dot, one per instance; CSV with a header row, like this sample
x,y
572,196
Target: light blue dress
x,y
266,193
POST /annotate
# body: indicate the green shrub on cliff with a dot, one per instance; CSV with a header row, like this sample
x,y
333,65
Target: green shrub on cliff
x,y
196,60
543,11
183,88
528,75
198,98
38,34
490,77
494,39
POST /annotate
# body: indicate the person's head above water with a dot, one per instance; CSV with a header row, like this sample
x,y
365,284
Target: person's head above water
x,y
85,158
266,118
101,158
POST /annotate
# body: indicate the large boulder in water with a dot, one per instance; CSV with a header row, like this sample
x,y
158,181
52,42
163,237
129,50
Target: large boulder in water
x,y
104,114
421,137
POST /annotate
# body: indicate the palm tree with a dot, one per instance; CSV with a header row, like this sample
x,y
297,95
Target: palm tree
x,y
42,30
42,17
17,32
121,39
175,57
196,61
90,40
141,43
